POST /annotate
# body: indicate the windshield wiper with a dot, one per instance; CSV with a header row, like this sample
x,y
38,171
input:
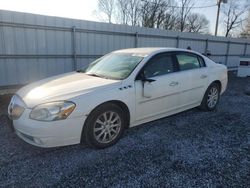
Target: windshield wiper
x,y
90,74
96,75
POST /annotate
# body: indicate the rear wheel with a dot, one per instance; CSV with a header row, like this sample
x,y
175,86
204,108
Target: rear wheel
x,y
104,126
211,97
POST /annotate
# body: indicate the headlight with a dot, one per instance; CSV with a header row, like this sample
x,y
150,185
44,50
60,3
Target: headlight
x,y
52,111
16,107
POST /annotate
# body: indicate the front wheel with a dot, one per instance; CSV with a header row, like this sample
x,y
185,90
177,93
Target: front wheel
x,y
104,126
211,97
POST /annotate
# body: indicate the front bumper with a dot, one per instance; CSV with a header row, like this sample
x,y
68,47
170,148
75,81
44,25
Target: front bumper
x,y
49,134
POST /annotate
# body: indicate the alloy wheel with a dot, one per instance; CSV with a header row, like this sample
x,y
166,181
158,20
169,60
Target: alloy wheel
x,y
107,127
213,97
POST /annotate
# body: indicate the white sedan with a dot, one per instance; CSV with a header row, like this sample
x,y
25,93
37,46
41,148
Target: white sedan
x,y
122,89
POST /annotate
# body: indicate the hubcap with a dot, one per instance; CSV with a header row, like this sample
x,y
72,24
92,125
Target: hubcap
x,y
213,97
107,127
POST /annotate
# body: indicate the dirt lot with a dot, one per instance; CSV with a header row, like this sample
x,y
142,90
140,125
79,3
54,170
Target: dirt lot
x,y
190,149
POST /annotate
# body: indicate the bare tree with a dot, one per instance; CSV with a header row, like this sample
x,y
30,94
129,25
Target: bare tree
x,y
164,14
149,12
197,23
233,16
129,11
122,15
156,13
107,7
185,10
134,13
246,31
170,20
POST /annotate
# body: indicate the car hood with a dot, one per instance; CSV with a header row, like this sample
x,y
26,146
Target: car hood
x,y
63,87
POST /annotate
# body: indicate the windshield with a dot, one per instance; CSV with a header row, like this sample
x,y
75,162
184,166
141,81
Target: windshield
x,y
113,66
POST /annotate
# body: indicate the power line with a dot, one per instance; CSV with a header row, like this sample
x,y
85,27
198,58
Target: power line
x,y
207,6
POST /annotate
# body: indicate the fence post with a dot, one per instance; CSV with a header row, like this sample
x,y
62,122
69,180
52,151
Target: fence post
x,y
228,47
206,48
74,66
177,41
245,49
136,39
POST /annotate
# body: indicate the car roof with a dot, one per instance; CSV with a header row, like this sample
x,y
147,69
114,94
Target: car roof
x,y
148,51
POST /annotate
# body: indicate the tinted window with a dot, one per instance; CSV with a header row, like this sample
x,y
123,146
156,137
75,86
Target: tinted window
x,y
202,62
159,65
188,61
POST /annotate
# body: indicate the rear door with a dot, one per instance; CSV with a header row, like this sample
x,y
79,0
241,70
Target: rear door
x,y
194,75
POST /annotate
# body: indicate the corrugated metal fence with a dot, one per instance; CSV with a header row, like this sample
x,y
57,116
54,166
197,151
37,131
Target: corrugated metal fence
x,y
33,47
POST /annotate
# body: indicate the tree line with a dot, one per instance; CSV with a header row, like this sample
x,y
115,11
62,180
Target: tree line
x,y
176,15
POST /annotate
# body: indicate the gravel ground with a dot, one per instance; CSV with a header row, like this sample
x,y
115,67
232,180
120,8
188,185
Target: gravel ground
x,y
190,149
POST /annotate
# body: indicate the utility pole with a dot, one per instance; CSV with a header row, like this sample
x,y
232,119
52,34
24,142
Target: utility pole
x,y
218,15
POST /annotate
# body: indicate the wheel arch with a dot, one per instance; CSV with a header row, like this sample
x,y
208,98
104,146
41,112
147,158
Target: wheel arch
x,y
124,108
118,103
218,82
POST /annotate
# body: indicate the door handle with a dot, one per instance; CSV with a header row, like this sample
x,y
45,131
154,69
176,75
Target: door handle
x,y
173,83
203,76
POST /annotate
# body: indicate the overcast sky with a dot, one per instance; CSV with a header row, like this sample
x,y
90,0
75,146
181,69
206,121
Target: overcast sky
x,y
84,9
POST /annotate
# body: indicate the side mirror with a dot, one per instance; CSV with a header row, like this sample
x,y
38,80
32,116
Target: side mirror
x,y
143,78
148,80
146,85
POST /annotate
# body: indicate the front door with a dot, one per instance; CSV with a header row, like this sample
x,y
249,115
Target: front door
x,y
158,92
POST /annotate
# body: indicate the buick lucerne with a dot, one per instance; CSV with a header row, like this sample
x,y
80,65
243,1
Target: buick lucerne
x,y
122,89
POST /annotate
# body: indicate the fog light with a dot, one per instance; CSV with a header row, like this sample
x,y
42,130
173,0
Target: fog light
x,y
37,141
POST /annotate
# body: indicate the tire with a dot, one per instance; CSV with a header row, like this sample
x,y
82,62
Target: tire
x,y
210,99
104,126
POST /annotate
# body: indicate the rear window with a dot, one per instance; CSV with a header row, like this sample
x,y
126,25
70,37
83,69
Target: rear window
x,y
202,62
188,62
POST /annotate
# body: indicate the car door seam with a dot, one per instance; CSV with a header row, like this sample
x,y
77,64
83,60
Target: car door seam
x,y
192,89
141,102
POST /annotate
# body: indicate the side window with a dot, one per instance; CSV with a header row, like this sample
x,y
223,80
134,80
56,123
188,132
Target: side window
x,y
159,65
202,62
188,61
